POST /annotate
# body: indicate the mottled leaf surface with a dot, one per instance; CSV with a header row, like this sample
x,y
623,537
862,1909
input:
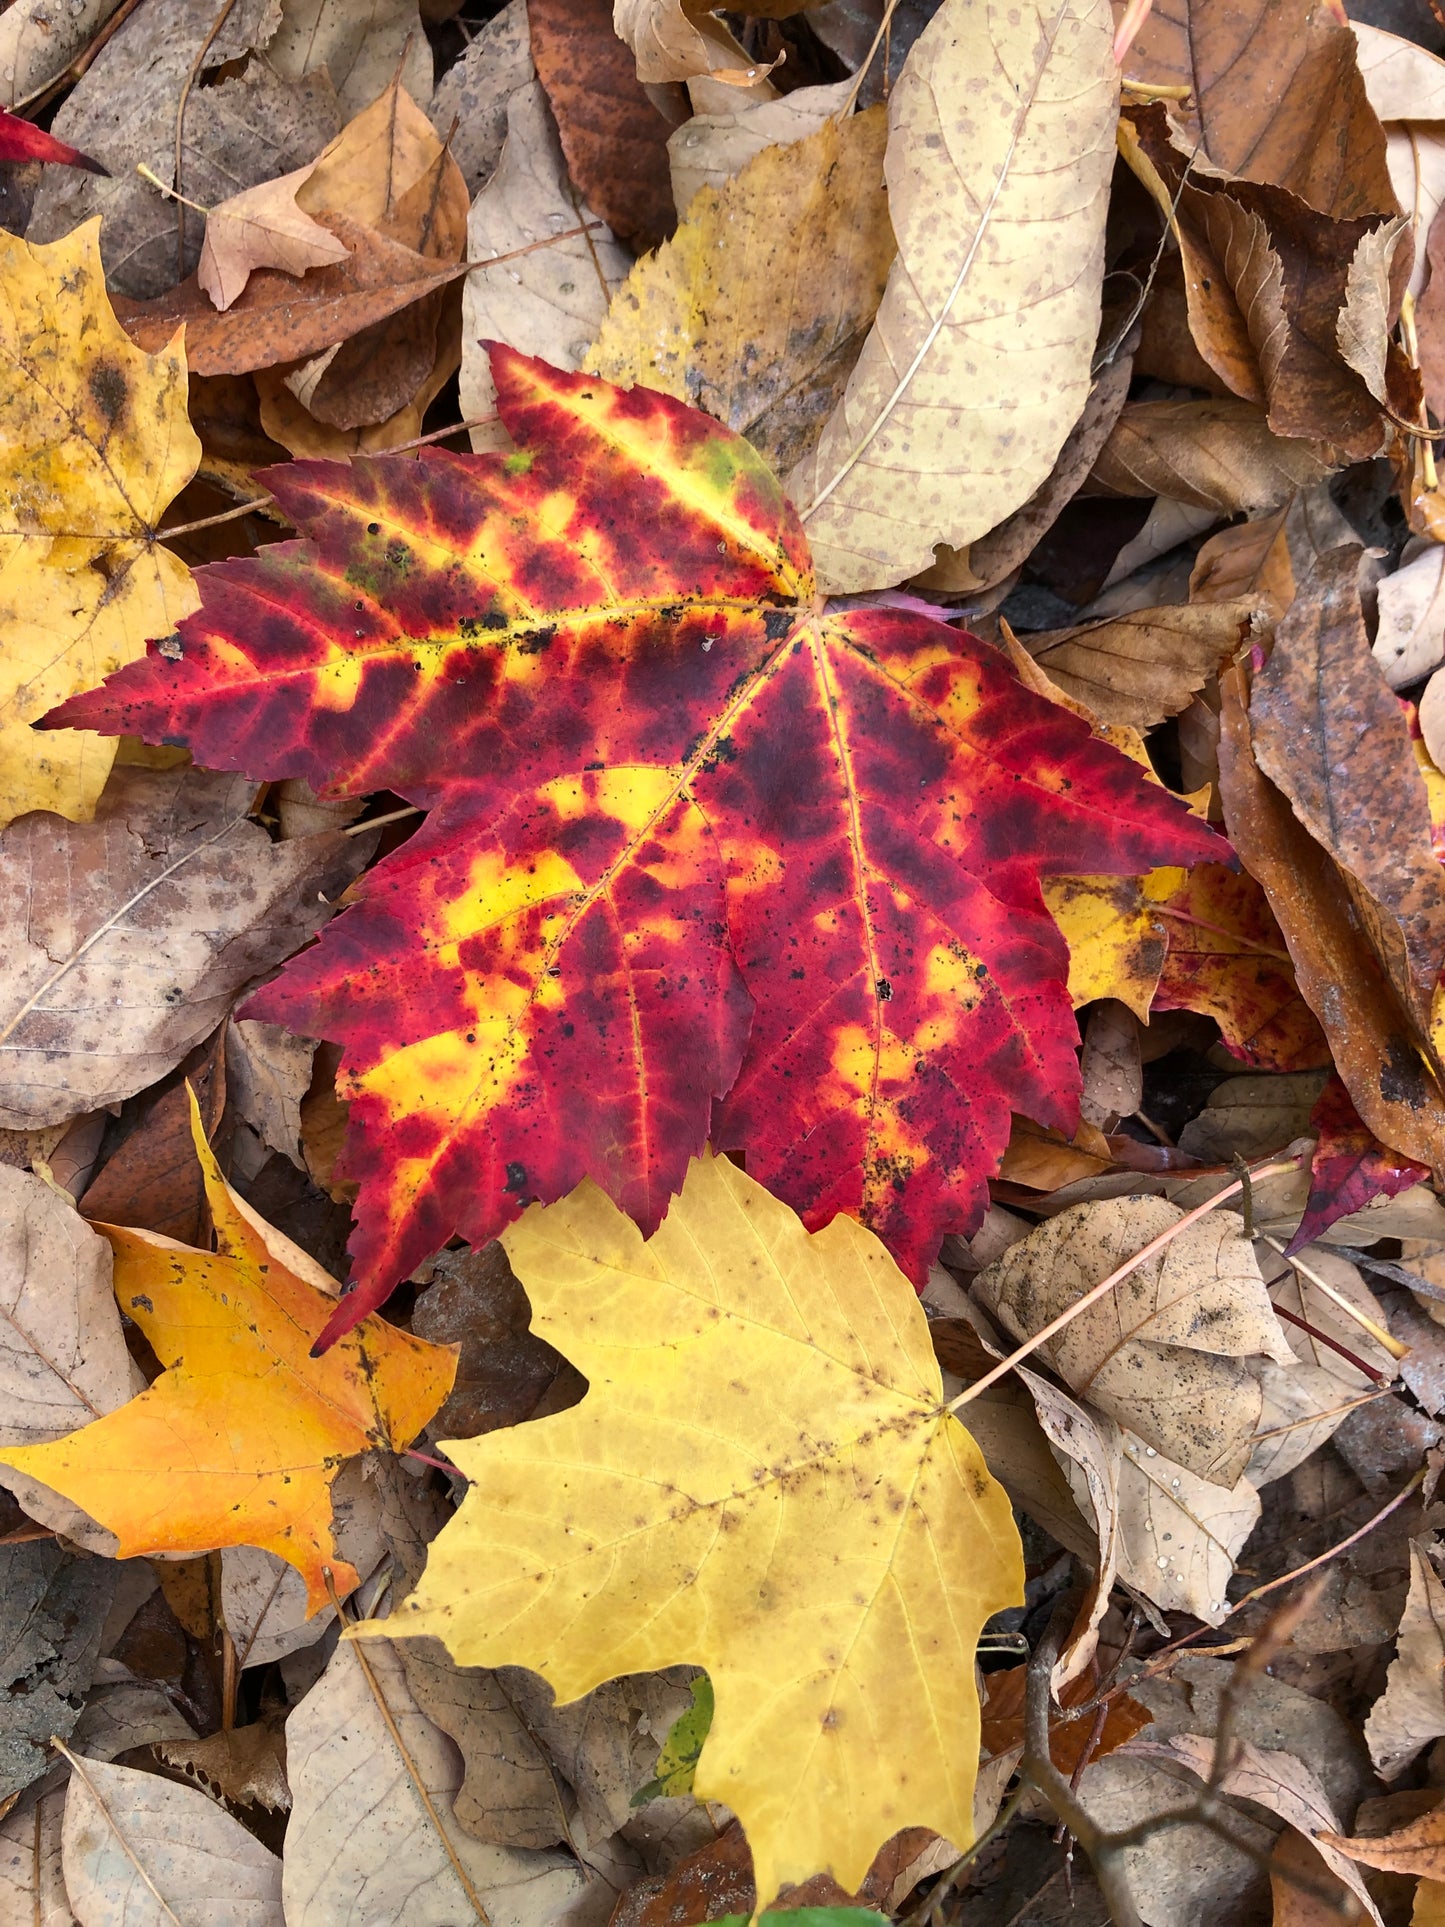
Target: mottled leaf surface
x,y
705,856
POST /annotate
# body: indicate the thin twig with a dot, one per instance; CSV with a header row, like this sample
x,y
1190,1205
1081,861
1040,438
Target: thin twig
x,y
77,1767
376,823
407,1761
1320,1338
220,20
850,98
1116,1277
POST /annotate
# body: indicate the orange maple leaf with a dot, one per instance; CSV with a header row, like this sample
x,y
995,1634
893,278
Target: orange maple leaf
x,y
238,1440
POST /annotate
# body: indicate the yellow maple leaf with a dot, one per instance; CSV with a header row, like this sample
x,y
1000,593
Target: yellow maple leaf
x,y
762,1480
237,1441
97,444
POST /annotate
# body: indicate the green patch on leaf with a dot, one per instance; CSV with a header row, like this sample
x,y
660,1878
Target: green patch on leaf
x,y
677,1762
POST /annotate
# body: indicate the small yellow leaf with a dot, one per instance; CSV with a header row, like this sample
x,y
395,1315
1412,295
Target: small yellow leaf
x,y
762,1480
97,444
238,1440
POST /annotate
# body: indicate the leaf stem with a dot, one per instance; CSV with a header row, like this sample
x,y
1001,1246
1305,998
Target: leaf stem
x,y
413,1772
77,1767
1387,1340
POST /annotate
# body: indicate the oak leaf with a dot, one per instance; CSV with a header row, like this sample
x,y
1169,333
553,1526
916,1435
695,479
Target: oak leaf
x,y
236,1443
826,1543
694,836
97,444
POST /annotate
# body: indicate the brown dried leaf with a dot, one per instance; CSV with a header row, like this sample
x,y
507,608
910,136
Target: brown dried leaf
x,y
613,136
1330,734
279,318
1164,1352
1140,668
1215,454
141,928
1371,1032
1275,95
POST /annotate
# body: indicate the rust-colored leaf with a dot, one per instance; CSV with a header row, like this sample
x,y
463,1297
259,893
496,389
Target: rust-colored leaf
x,y
613,136
705,855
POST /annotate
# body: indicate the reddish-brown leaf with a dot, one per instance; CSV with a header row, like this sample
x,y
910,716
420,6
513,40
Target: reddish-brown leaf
x,y
1349,1166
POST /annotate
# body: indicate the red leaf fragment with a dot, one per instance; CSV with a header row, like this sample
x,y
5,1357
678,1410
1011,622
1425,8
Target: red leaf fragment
x,y
1349,1166
22,140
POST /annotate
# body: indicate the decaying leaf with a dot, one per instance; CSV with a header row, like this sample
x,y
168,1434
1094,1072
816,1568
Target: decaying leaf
x,y
678,39
866,1463
1215,454
262,227
364,1842
53,1606
759,319
1164,1353
954,414
133,1844
209,1456
97,444
141,928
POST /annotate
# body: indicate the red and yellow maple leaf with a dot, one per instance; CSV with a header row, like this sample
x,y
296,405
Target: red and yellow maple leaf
x,y
706,857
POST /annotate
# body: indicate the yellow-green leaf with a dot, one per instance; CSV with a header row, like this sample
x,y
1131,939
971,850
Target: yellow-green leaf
x,y
762,1480
757,307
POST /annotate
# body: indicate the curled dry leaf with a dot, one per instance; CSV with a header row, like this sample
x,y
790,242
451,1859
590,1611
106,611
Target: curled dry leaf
x,y
362,1843
1410,635
208,1457
1418,1847
1411,1710
1406,87
159,910
681,39
97,445
868,1471
1329,733
1274,95
1214,454
144,1850
1369,1026
262,227
757,308
1144,666
1000,130
1163,1352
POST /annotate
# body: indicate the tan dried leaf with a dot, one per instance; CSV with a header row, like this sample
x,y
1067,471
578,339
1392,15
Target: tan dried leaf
x,y
679,39
709,149
1000,134
1164,1352
1216,454
262,227
1140,668
1411,1710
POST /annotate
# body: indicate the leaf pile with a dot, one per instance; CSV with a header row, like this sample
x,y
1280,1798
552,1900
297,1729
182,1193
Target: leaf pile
x,y
722,1048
